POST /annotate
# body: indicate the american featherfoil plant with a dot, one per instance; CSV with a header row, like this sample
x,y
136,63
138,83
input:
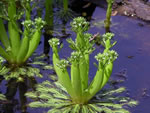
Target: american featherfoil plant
x,y
55,96
65,13
77,83
17,46
30,70
72,93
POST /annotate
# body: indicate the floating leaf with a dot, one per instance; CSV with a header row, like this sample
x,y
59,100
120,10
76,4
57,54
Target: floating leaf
x,y
2,97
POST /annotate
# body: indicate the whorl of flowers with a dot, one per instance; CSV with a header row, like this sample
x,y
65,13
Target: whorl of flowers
x,y
28,24
106,57
39,23
75,56
79,24
54,42
63,64
108,36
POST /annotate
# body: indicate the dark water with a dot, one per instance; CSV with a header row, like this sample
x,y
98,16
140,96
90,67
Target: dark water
x,y
133,47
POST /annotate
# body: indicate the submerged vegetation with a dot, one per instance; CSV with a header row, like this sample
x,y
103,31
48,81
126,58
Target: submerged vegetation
x,y
55,96
72,93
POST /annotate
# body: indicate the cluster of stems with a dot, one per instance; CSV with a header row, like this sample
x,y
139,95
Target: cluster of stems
x,y
14,49
76,83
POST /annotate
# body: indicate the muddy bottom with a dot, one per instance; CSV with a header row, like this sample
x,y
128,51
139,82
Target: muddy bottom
x,y
133,8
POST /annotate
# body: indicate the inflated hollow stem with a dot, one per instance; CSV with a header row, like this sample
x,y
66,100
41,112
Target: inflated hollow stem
x,y
63,76
65,5
49,12
108,13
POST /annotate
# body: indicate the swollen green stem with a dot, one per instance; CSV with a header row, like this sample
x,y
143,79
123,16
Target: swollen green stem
x,y
65,5
11,9
13,29
80,40
14,37
3,35
107,73
4,54
84,69
28,11
108,13
23,50
49,12
63,76
34,41
95,85
76,81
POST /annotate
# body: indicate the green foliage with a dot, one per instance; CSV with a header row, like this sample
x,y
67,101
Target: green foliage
x,y
14,49
55,96
19,73
77,83
31,69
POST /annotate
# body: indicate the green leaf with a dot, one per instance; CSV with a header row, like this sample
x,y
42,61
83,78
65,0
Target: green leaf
x,y
60,86
116,106
38,63
95,108
2,97
76,108
31,95
36,104
66,109
107,110
54,111
84,109
133,103
119,90
48,67
61,96
22,71
4,70
121,111
45,96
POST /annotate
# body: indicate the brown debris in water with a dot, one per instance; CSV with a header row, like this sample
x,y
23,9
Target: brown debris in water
x,y
134,8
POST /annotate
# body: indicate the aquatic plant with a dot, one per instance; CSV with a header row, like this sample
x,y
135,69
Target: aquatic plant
x,y
2,97
73,93
108,13
20,73
55,96
65,13
14,49
49,12
65,4
77,86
